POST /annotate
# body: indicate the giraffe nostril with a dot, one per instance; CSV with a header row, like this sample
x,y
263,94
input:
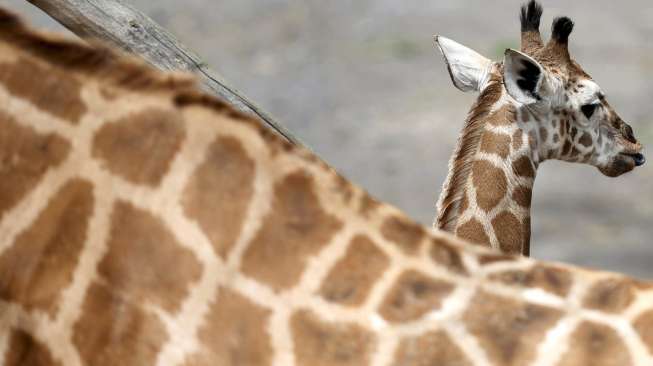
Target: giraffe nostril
x,y
639,159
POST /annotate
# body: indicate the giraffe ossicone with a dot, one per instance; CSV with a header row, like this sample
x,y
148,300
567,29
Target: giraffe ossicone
x,y
536,104
143,222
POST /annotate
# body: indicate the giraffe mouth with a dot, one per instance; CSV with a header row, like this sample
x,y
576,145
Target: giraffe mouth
x,y
638,158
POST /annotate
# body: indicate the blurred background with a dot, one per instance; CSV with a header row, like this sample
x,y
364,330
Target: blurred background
x,y
361,83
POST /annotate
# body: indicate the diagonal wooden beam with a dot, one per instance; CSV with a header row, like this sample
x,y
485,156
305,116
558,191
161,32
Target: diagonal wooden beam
x,y
121,25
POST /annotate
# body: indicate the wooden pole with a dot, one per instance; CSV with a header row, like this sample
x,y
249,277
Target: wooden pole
x,y
121,25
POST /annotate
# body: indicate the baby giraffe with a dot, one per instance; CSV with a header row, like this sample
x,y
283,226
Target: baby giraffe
x,y
537,104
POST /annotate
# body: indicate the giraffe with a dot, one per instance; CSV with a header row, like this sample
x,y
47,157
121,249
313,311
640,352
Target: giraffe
x,y
143,222
537,104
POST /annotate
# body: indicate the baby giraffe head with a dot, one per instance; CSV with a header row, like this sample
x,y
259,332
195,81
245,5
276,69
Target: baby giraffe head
x,y
563,110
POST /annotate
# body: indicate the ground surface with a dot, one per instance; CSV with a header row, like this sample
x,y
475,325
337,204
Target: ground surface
x,y
361,83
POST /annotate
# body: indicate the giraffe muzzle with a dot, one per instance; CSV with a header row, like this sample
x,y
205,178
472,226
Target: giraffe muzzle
x,y
639,159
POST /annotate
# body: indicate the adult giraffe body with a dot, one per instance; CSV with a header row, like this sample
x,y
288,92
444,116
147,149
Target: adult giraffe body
x,y
537,104
144,223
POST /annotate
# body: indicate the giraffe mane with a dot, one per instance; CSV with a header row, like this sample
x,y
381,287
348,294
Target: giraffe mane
x,y
461,160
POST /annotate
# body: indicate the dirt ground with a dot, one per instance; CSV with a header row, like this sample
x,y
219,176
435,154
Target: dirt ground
x,y
362,84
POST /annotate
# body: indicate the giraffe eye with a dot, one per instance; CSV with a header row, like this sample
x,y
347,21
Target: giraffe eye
x,y
588,109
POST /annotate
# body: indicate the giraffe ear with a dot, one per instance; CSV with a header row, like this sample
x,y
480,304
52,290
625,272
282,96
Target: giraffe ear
x,y
468,69
524,78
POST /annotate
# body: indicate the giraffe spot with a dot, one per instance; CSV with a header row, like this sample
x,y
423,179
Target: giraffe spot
x,y
524,115
543,133
573,133
368,205
219,192
352,277
508,231
141,146
41,262
25,350
495,143
556,138
644,327
523,167
487,259
473,231
522,195
611,295
58,92
585,139
548,278
112,330
597,345
526,234
318,343
295,228
141,253
561,127
412,296
517,139
566,147
25,156
433,348
235,332
490,183
503,116
406,234
507,329
574,152
444,254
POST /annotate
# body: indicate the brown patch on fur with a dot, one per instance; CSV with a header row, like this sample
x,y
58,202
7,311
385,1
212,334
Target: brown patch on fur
x,y
140,147
522,195
543,134
508,230
597,345
368,205
25,156
644,327
295,228
58,93
466,148
504,116
508,330
352,277
573,133
523,167
585,140
473,231
234,333
41,262
446,255
556,138
490,183
548,278
495,143
412,296
433,348
407,234
219,192
105,339
517,139
318,343
611,295
464,203
487,259
566,147
25,350
526,234
141,253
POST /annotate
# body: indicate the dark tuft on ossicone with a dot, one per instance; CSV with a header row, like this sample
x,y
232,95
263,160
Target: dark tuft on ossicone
x,y
561,29
530,16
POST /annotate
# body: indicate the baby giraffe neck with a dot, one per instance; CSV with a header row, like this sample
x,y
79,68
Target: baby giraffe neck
x,y
492,205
